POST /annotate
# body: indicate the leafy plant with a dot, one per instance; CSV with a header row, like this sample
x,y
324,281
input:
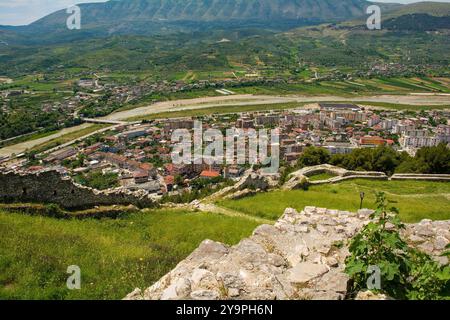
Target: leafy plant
x,y
405,273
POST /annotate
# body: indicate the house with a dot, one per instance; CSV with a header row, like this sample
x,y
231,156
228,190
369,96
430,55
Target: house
x,y
170,182
233,172
372,141
61,155
209,174
293,156
140,177
339,106
91,149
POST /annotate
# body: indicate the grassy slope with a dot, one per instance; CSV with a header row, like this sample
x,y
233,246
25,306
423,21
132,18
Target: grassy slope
x,y
115,256
416,200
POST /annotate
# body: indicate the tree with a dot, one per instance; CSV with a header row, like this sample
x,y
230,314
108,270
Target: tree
x,y
431,160
313,156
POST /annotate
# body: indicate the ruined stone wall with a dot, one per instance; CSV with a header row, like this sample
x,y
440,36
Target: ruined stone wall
x,y
421,177
50,187
297,178
302,256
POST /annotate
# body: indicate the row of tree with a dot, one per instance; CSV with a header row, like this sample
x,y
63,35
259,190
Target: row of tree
x,y
431,160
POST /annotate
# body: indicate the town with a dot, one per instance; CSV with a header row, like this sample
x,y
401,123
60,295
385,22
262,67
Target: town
x,y
137,156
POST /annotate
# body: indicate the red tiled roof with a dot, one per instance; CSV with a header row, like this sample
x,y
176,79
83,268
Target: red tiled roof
x,y
170,180
210,174
146,166
140,174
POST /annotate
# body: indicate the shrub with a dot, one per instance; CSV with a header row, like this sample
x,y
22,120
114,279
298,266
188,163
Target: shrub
x,y
406,273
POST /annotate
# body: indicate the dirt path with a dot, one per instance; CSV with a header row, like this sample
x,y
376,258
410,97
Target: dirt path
x,y
213,208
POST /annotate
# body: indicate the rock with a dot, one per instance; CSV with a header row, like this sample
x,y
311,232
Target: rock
x,y
322,229
170,293
283,261
135,295
276,260
210,250
332,262
426,247
334,281
416,239
424,231
202,278
183,288
365,213
440,243
369,295
304,272
441,260
205,295
325,295
233,292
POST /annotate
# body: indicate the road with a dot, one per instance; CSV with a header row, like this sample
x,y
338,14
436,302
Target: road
x,y
23,146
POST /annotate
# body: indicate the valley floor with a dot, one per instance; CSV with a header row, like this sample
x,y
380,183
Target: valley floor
x,y
227,104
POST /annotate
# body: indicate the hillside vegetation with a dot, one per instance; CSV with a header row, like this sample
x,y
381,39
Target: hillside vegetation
x,y
115,256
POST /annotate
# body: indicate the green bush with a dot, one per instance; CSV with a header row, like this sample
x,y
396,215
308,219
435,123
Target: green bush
x,y
406,273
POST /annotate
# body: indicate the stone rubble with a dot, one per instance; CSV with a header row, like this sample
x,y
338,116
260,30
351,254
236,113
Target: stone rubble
x,y
300,257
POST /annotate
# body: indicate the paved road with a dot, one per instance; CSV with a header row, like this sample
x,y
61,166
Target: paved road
x,y
23,146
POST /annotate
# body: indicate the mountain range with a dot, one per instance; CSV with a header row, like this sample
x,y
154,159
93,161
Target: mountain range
x,y
147,17
166,35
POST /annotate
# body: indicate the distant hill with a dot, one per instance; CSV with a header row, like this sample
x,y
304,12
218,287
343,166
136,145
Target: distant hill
x,y
422,16
153,35
437,9
417,22
145,17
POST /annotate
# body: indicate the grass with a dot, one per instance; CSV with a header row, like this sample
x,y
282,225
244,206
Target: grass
x,y
321,176
115,256
351,88
416,200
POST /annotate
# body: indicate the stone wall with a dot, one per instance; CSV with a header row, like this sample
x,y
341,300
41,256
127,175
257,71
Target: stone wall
x,y
421,177
300,257
50,187
296,178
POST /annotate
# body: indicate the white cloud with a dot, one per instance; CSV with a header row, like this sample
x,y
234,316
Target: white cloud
x,y
20,12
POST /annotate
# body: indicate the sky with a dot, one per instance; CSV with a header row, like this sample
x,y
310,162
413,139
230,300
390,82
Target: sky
x,y
21,12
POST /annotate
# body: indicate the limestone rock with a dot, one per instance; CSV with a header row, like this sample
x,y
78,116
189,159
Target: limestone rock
x,y
135,295
302,256
304,272
369,295
205,295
